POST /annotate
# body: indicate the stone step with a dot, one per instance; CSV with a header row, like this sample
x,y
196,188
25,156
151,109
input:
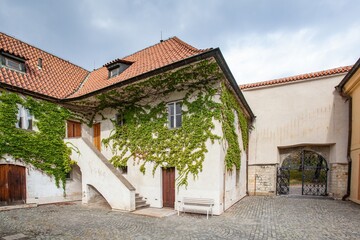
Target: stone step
x,y
140,202
142,206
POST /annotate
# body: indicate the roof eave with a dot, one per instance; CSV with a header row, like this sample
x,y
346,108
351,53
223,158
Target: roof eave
x,y
347,77
216,53
12,88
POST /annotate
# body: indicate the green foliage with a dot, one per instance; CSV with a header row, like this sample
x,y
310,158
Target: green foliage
x,y
229,107
146,138
44,149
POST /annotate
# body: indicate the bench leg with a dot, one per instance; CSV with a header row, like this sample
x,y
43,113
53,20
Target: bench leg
x,y
207,214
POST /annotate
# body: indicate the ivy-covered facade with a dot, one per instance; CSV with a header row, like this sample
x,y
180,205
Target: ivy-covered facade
x,y
177,130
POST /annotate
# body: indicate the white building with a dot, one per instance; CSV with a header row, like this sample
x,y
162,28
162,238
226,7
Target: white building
x,y
186,85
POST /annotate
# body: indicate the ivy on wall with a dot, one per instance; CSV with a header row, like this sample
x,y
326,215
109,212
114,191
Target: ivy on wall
x,y
44,149
146,138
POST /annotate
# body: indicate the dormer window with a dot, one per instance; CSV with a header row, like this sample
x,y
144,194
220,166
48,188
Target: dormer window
x,y
116,67
12,62
114,72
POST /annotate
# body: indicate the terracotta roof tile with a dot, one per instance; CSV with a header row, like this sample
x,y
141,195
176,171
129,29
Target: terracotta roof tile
x,y
146,60
300,77
57,78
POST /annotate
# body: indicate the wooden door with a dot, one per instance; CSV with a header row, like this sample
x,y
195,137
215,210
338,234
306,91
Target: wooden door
x,y
97,137
12,184
168,187
4,192
73,129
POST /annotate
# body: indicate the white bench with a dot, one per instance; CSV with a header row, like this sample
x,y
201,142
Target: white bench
x,y
196,204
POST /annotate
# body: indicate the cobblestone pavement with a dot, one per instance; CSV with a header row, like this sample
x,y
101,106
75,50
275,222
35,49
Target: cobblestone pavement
x,y
251,218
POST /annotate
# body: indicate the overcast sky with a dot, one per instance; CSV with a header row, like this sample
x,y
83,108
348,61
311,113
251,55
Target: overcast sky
x,y
260,40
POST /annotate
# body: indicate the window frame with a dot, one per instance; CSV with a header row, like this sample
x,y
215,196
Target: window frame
x,y
6,58
25,119
174,114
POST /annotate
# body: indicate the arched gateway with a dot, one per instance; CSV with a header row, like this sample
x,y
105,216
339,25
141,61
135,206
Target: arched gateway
x,y
306,167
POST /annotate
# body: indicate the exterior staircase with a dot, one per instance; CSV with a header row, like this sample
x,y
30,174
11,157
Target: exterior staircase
x,y
140,202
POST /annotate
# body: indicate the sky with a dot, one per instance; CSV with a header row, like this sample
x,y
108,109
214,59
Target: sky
x,y
260,40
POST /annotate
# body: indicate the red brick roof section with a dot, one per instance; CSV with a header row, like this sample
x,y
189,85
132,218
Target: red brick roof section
x,y
57,78
300,77
146,60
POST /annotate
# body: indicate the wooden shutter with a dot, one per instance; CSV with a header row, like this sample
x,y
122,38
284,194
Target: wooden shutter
x,y
73,129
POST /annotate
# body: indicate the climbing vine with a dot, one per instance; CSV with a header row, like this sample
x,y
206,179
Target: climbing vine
x,y
229,108
145,136
44,149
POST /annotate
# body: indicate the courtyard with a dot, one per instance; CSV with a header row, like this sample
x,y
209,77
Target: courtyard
x,y
253,217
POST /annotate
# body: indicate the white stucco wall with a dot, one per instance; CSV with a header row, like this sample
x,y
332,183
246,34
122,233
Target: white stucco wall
x,y
41,187
102,176
303,112
209,183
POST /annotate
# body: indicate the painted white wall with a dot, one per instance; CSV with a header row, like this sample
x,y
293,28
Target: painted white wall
x,y
98,173
302,112
41,188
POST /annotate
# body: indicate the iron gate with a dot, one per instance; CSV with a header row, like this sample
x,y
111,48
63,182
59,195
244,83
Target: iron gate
x,y
313,168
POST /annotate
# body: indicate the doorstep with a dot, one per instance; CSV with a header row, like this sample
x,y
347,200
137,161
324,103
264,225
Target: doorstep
x,y
155,212
12,207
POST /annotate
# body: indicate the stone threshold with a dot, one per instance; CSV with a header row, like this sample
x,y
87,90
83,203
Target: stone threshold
x,y
21,206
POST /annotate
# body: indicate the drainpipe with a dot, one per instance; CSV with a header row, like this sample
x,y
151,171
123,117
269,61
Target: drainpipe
x,y
345,197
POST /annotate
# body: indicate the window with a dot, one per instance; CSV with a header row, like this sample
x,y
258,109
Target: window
x,y
123,169
120,120
117,66
73,129
114,72
24,118
13,62
174,110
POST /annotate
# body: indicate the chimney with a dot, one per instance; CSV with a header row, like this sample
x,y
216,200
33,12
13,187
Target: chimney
x,y
40,64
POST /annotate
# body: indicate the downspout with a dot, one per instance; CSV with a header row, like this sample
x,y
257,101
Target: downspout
x,y
346,196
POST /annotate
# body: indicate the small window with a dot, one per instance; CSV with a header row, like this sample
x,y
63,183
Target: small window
x,y
123,169
13,62
120,120
24,118
114,72
73,129
174,111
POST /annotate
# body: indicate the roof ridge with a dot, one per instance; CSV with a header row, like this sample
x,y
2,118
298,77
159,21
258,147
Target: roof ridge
x,y
294,78
42,50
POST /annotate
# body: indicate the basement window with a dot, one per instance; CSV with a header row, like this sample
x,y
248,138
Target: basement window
x,y
123,169
12,62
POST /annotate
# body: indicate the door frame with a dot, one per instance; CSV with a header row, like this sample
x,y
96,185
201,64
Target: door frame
x,y
10,190
167,173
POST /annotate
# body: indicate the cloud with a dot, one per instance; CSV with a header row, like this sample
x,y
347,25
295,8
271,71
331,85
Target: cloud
x,y
257,57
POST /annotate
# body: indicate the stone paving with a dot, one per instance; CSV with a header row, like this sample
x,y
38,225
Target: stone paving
x,y
251,218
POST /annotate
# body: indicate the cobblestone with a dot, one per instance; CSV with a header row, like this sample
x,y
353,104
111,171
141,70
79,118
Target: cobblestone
x,y
254,217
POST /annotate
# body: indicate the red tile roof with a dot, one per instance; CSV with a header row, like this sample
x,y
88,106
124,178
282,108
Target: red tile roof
x,y
57,78
146,60
61,79
300,77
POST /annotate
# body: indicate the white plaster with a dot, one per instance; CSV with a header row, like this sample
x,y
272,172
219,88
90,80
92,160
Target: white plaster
x,y
305,112
101,176
41,187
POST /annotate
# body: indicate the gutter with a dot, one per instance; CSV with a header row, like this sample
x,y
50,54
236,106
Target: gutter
x,y
29,93
340,89
348,190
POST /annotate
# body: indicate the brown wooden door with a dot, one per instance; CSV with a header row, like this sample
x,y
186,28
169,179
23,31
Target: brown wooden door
x,y
168,178
97,138
12,184
73,129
